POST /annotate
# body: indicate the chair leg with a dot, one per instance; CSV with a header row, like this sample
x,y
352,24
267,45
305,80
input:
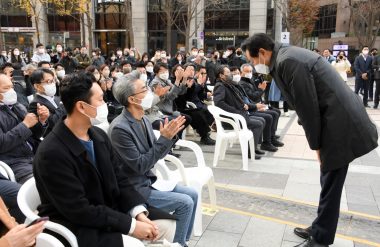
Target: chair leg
x,y
197,230
223,149
244,152
218,146
252,148
212,192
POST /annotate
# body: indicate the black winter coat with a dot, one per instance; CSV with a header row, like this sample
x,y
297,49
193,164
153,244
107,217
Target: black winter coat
x,y
333,117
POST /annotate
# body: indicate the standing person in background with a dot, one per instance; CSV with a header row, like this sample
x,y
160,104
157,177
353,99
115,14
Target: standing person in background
x,y
211,66
327,110
376,76
83,59
363,67
40,54
15,59
342,65
97,59
68,61
373,53
327,55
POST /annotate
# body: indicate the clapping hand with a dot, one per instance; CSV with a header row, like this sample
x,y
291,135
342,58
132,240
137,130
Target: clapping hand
x,y
170,129
43,113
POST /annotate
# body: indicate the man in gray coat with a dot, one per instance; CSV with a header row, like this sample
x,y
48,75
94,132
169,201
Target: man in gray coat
x,y
333,117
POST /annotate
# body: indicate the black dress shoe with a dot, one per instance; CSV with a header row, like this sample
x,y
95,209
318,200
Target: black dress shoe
x,y
259,152
207,141
257,157
302,232
268,147
277,136
310,242
375,107
277,143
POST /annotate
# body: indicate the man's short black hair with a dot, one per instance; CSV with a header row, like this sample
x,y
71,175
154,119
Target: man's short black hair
x,y
5,65
199,67
140,65
194,48
220,70
42,63
233,68
39,45
373,49
58,64
124,62
257,41
158,66
231,48
365,46
38,75
75,87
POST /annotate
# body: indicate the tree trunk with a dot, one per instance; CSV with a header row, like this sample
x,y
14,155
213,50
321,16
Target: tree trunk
x,y
129,37
37,29
168,12
90,32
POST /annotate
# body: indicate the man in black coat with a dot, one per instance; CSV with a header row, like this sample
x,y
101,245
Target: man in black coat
x,y
334,119
376,76
363,69
228,97
79,177
45,86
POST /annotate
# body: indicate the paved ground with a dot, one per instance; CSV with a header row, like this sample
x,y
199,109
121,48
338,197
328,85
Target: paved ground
x,y
260,207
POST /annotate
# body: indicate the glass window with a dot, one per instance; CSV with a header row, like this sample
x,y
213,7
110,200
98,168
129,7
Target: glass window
x,y
326,23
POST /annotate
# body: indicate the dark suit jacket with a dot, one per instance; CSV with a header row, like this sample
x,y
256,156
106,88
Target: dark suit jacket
x,y
56,114
93,203
332,115
362,66
376,67
139,153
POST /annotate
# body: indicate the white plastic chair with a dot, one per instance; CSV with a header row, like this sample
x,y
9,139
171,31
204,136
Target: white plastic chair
x,y
7,172
28,200
195,177
239,133
47,240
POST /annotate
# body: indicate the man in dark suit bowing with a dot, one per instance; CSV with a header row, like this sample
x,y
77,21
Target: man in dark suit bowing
x,y
363,69
44,83
335,122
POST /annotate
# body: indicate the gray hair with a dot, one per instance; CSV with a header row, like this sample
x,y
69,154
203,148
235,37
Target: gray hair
x,y
245,65
125,87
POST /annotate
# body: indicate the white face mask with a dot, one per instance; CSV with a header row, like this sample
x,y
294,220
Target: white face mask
x,y
101,114
149,69
236,78
262,68
248,75
365,53
143,77
194,53
201,54
119,53
9,97
163,54
119,74
61,73
164,76
41,50
146,102
59,49
16,53
50,89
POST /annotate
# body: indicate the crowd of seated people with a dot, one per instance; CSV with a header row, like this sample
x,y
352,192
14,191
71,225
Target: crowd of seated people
x,y
48,110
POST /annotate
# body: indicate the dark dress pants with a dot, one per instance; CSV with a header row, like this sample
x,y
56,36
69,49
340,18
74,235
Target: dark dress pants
x,y
268,125
377,93
8,192
199,121
256,125
362,84
324,226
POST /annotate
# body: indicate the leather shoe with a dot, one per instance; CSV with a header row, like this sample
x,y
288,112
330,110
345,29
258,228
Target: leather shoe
x,y
302,232
277,143
207,141
257,157
268,147
310,243
259,152
277,136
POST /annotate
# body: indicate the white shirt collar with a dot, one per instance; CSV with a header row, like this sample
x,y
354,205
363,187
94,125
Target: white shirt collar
x,y
51,99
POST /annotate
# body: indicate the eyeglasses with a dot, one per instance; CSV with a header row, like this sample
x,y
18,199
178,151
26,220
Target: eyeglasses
x,y
48,82
146,89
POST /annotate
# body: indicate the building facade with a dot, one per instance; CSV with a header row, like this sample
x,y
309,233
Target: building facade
x,y
212,27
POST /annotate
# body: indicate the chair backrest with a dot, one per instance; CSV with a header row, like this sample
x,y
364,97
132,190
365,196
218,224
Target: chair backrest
x,y
28,200
7,172
219,116
46,240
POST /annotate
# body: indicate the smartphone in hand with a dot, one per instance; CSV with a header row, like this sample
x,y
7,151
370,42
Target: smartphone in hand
x,y
38,220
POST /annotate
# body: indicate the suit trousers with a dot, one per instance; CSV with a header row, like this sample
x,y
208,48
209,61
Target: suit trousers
x,y
256,125
362,84
377,93
324,226
199,121
268,125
